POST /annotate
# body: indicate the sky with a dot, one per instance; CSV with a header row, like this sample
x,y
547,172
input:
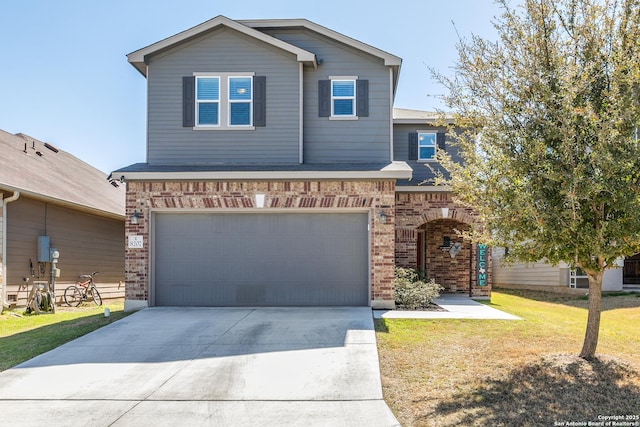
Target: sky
x,y
65,79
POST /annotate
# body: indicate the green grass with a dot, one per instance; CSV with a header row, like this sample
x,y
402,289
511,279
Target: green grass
x,y
495,372
23,336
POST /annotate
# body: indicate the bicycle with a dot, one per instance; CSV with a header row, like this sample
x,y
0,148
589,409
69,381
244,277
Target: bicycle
x,y
74,295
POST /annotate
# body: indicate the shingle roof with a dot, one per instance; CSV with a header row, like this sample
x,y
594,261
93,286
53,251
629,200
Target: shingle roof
x,y
40,170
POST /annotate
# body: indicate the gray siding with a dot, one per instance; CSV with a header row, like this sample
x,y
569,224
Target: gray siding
x,y
423,172
86,243
334,141
223,50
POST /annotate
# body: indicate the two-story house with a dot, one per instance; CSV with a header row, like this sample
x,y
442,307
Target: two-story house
x,y
278,173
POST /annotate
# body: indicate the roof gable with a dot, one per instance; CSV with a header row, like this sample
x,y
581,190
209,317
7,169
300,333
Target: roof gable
x,y
389,59
41,171
138,58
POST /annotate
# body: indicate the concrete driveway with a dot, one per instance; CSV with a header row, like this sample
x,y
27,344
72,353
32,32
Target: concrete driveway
x,y
207,366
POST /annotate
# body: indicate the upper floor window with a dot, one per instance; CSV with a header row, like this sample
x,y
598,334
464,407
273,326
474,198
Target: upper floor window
x,y
343,98
423,144
223,101
426,145
240,100
208,101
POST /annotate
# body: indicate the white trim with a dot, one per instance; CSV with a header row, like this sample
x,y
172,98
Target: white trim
x,y
224,74
343,117
354,97
391,145
138,58
301,114
343,77
423,189
435,145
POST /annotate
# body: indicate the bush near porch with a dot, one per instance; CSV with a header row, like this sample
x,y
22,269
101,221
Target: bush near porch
x,y
455,372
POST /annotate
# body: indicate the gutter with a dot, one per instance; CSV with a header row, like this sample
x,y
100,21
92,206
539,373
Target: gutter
x,y
3,301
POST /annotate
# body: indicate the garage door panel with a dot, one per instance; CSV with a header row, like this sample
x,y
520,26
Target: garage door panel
x,y
261,259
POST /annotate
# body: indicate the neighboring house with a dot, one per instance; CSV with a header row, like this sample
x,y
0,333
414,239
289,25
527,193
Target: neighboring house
x,y
559,278
45,191
278,174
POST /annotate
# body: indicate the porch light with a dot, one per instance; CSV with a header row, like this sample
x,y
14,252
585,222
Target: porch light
x,y
382,217
445,212
135,218
259,200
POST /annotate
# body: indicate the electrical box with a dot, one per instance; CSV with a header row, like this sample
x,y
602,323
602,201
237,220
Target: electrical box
x,y
44,244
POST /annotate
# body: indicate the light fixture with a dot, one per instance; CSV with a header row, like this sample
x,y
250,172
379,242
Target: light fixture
x,y
135,218
382,217
259,200
445,212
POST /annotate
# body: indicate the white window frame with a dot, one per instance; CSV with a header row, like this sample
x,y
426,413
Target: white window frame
x,y
353,115
435,145
224,103
207,101
239,101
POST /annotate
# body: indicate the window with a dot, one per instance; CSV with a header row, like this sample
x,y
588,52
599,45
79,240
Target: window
x,y
224,101
423,143
240,97
208,101
343,98
426,146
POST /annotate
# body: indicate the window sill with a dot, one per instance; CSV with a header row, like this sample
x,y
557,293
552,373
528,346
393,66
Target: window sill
x,y
342,118
219,128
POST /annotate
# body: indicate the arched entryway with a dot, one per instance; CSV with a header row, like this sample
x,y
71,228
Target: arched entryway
x,y
444,255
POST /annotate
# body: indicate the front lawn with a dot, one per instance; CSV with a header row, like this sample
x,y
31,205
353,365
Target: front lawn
x,y
23,336
503,373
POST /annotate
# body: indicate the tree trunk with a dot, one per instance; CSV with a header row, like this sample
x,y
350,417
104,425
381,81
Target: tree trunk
x,y
593,320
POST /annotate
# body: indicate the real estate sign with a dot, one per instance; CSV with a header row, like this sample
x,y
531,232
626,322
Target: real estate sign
x,y
482,266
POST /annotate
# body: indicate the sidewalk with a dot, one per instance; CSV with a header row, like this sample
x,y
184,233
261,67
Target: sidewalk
x,y
456,306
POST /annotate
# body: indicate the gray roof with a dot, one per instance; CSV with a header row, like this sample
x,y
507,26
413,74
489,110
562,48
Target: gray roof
x,y
407,116
42,171
146,172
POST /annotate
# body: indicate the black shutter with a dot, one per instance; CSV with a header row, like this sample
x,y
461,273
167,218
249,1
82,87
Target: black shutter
x,y
413,146
188,101
259,101
440,140
324,98
362,98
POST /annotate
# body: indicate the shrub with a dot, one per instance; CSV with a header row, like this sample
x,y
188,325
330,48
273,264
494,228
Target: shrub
x,y
413,291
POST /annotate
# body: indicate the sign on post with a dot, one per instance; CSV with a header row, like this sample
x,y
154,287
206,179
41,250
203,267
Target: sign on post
x,y
482,266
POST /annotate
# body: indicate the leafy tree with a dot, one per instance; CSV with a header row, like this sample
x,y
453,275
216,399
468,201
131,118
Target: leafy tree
x,y
550,114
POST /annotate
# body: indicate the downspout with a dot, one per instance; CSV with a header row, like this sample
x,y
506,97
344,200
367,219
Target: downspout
x,y
3,295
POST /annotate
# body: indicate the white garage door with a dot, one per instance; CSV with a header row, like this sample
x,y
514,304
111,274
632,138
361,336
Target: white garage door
x,y
249,259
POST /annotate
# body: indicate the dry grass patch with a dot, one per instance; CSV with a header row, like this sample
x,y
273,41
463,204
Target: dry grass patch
x,y
495,372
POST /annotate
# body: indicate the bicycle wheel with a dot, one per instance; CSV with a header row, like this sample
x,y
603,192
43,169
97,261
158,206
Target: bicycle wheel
x,y
96,296
72,296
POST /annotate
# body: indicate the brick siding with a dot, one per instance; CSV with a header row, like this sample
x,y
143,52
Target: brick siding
x,y
143,197
422,213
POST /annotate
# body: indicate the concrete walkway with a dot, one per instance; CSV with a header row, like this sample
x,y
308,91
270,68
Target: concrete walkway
x,y
207,366
455,306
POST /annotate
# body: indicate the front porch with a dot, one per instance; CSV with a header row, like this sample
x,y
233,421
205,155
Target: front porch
x,y
429,229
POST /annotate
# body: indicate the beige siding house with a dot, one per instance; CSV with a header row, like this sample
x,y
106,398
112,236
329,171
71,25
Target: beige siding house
x,y
45,191
543,276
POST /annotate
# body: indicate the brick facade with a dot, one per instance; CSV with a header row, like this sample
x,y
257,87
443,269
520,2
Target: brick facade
x,y
376,196
421,225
